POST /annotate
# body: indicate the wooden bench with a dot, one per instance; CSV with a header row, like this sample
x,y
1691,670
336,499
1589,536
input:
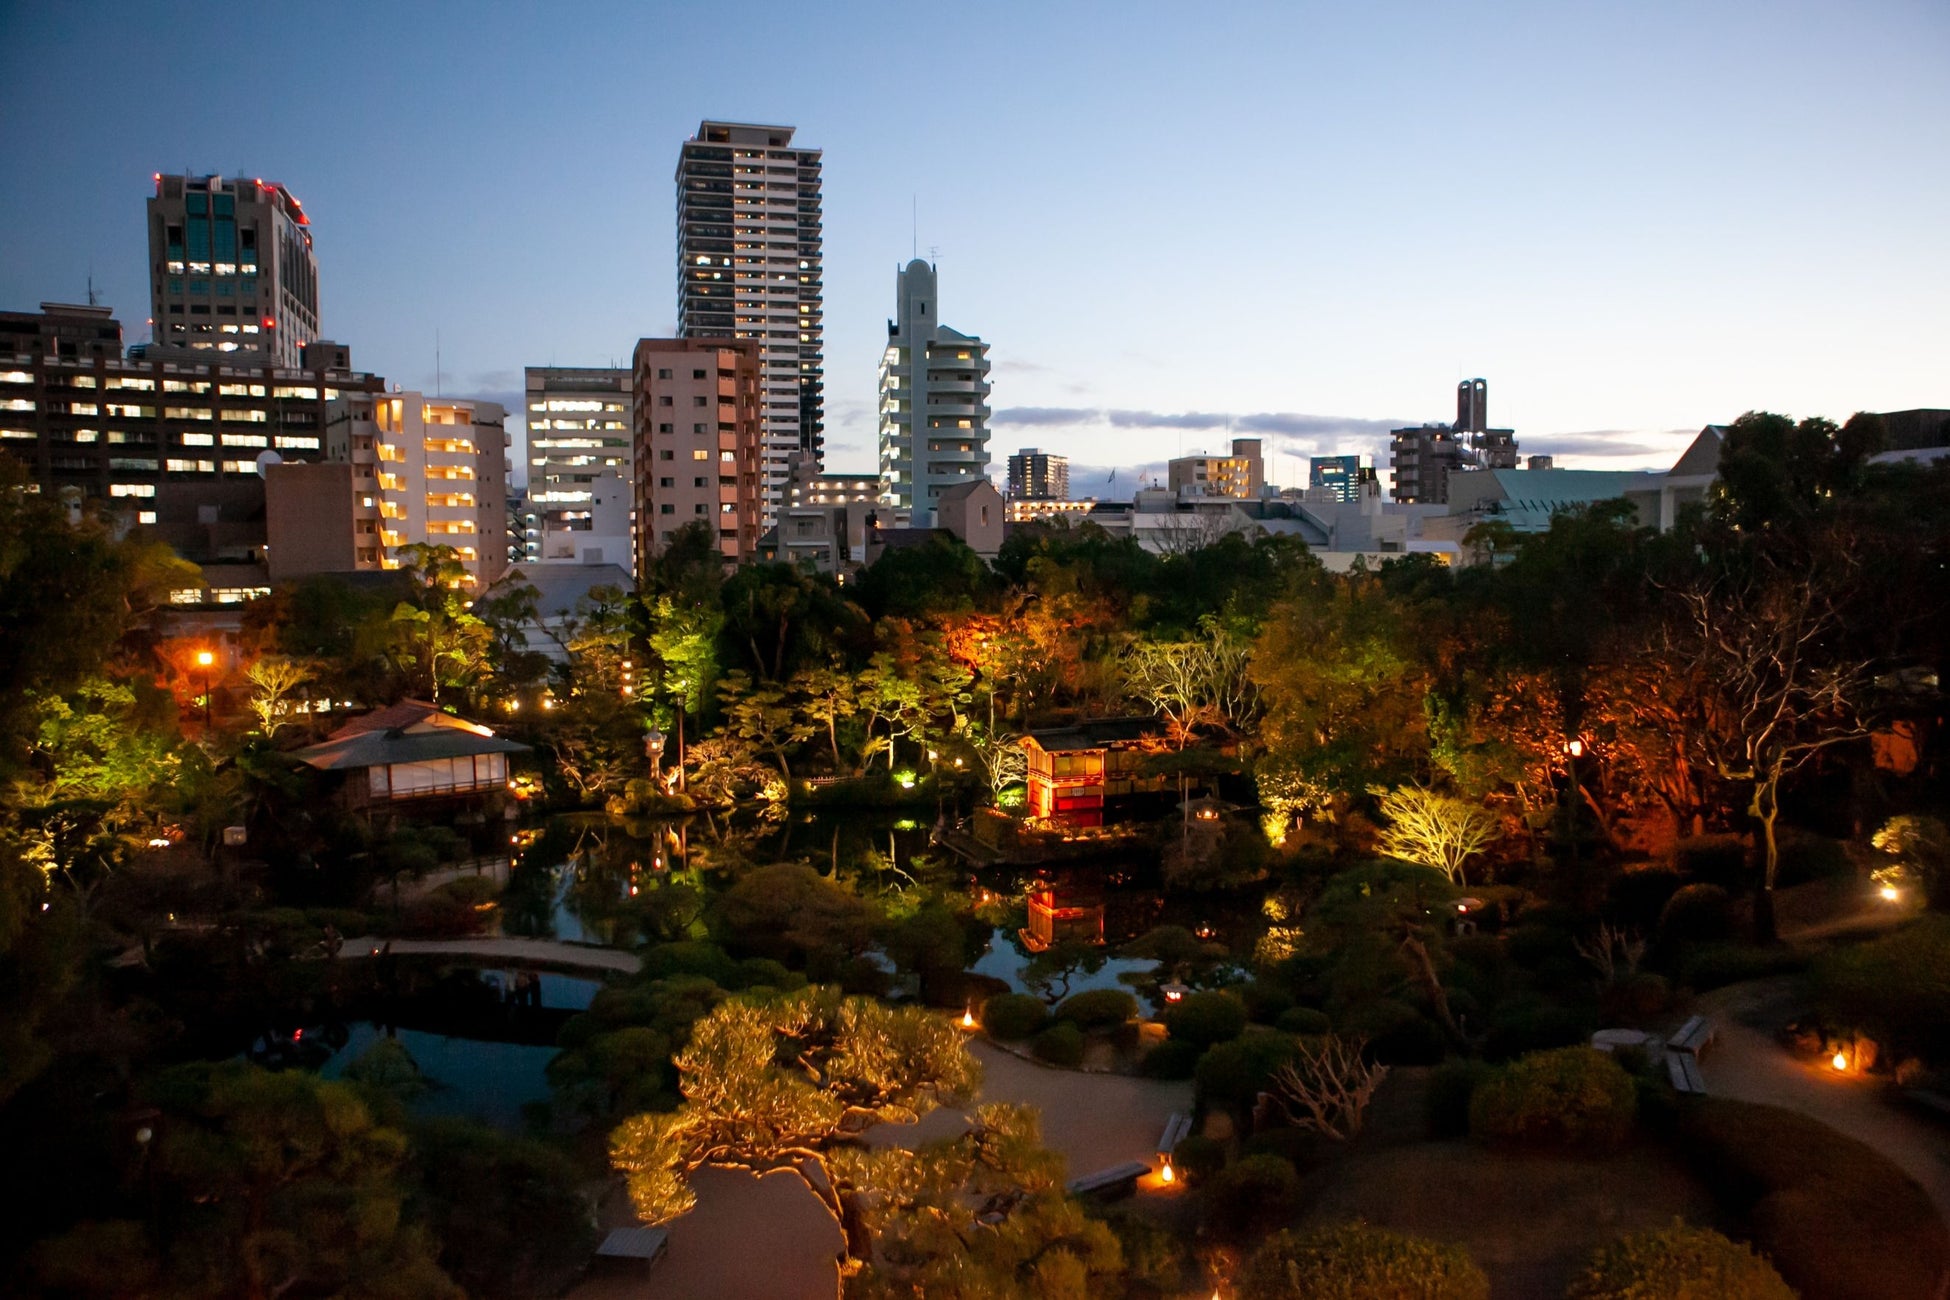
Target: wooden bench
x,y
1694,1037
1683,1069
1177,1128
1110,1184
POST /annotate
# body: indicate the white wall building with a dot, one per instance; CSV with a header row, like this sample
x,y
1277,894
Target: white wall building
x,y
581,467
934,394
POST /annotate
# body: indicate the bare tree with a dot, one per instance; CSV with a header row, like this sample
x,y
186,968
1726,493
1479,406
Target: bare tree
x,y
1611,949
1436,830
1772,682
1327,1087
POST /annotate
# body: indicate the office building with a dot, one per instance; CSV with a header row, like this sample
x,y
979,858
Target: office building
x,y
749,267
231,268
1241,474
1038,475
1340,475
699,443
400,469
169,437
934,394
581,468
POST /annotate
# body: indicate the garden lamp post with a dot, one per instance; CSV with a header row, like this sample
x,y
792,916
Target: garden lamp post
x,y
203,660
653,745
1573,750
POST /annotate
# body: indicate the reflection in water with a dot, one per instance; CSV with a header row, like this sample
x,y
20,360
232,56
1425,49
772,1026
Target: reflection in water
x,y
487,1081
1005,961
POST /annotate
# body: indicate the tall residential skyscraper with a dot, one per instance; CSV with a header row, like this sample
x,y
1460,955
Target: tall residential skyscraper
x,y
231,267
934,394
749,267
1038,475
580,465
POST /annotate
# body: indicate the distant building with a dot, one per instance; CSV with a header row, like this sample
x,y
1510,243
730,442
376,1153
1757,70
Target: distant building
x,y
1422,457
699,443
580,466
169,437
826,518
1340,475
934,393
1241,475
1038,475
749,267
404,469
973,512
1540,462
231,268
1023,512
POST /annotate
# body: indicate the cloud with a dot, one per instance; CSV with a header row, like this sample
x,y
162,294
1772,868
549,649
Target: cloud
x,y
1609,442
1163,420
1046,415
1313,426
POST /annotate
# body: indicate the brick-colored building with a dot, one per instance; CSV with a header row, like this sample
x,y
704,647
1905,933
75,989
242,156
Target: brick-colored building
x,y
699,443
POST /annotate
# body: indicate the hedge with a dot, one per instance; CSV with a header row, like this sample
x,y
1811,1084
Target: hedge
x,y
1170,1059
1014,1015
1204,1019
1303,1020
1573,1096
1098,1008
1060,1044
1838,1219
1353,1261
1249,1195
1678,1262
1896,989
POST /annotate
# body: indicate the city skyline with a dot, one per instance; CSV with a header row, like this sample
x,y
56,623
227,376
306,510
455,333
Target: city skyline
x,y
1633,225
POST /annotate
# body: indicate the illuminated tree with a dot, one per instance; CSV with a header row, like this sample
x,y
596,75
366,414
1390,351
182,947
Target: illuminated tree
x,y
275,679
791,1083
1435,830
1327,1086
763,718
433,640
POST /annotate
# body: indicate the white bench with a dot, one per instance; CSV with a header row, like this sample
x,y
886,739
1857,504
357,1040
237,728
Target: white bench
x,y
1683,1069
1694,1037
1109,1184
645,1245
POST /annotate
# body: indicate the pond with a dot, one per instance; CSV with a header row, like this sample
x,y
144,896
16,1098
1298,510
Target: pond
x,y
1007,962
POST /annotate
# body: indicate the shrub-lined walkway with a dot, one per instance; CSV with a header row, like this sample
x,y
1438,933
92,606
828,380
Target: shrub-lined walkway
x,y
1748,1064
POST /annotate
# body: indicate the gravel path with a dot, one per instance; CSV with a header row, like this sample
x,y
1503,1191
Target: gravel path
x,y
1747,1063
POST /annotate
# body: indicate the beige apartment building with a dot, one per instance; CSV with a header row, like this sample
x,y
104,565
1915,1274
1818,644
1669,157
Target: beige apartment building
x,y
699,443
1240,475
400,469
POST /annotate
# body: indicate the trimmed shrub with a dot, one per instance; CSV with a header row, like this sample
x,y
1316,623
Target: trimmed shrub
x,y
1171,1059
690,957
1249,1195
1265,1003
1837,1218
1805,857
1678,1261
1634,899
1304,1020
1198,1158
1530,1023
754,972
1012,1016
1353,1261
1451,1085
1896,989
1573,1096
1098,1008
1204,1019
1715,859
1299,1147
1396,1033
1060,1044
1635,999
1233,1074
1712,965
1697,914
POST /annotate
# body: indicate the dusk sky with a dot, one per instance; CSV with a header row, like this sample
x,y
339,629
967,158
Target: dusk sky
x,y
1307,220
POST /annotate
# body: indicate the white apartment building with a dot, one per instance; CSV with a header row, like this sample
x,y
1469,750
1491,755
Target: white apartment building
x,y
749,267
400,469
581,466
934,393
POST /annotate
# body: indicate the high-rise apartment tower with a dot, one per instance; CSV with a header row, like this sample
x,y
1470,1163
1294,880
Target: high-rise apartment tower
x,y
1038,475
749,267
934,394
231,267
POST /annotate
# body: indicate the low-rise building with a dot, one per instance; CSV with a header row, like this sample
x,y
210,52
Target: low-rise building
x,y
1241,475
412,757
1075,771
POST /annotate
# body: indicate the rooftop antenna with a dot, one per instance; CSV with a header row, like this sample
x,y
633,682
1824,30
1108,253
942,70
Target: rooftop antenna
x,y
94,299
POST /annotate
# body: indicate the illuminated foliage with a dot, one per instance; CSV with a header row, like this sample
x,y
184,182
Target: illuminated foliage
x,y
1435,830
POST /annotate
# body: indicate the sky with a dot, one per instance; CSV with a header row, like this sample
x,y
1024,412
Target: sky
x,y
1295,221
